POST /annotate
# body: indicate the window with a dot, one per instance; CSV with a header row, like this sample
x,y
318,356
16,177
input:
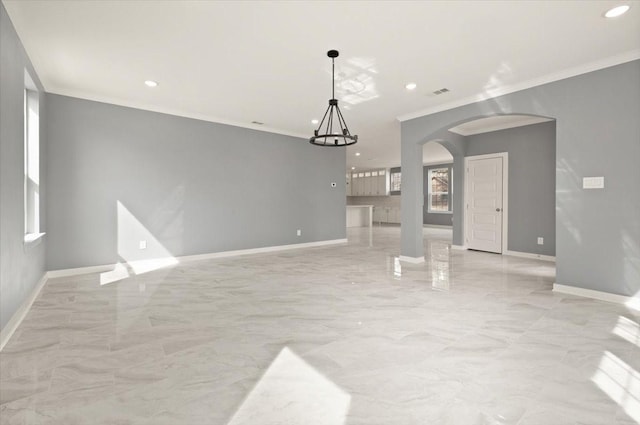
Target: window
x,y
31,160
395,177
439,183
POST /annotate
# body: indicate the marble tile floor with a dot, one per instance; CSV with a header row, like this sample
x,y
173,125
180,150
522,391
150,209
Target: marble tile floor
x,y
338,335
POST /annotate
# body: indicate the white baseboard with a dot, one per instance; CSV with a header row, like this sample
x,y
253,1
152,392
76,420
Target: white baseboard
x,y
460,247
530,255
437,226
263,250
21,313
631,302
413,260
79,270
197,257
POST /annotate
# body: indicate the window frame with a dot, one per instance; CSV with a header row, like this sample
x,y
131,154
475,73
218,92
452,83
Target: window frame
x,y
392,172
430,191
31,167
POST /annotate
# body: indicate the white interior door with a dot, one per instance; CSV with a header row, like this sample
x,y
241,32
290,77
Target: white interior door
x,y
484,204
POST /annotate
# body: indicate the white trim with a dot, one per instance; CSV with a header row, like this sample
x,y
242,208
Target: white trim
x,y
412,260
631,302
17,318
263,250
187,258
530,255
438,226
52,274
549,78
505,195
459,247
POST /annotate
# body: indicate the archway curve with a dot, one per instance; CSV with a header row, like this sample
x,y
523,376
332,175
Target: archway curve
x,y
443,136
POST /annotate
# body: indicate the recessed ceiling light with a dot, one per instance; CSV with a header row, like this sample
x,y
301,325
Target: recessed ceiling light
x,y
151,83
617,11
314,121
410,86
357,153
353,168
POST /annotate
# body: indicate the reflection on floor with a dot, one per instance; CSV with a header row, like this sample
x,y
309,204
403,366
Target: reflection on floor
x,y
333,335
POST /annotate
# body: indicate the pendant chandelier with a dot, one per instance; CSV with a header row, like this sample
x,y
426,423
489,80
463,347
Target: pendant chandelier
x,y
335,132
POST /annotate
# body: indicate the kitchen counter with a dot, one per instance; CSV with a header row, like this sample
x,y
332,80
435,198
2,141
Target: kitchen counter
x,y
359,215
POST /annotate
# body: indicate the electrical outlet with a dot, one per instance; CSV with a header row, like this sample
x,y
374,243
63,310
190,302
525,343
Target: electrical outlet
x,y
540,241
142,245
299,232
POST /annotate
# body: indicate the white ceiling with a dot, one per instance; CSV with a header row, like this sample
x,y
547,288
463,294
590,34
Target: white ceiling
x,y
244,61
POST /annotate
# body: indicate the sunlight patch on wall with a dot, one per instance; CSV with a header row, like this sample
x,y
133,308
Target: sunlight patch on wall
x,y
292,392
130,233
620,382
137,247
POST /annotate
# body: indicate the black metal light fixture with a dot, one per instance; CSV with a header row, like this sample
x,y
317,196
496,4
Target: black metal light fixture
x,y
340,136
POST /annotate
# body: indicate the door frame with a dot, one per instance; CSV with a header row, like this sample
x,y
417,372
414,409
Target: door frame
x,y
505,197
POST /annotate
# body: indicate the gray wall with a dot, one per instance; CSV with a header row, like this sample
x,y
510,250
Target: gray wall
x,y
20,267
438,219
532,182
597,134
118,175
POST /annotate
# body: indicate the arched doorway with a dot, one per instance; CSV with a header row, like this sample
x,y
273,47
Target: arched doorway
x,y
455,138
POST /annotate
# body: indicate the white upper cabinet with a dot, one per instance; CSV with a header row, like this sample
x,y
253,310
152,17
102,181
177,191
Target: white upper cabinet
x,y
369,183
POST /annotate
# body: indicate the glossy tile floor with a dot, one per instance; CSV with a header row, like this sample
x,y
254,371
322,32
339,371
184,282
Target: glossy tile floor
x,y
330,336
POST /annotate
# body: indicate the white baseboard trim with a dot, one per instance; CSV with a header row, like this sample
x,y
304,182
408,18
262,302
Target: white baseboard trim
x,y
437,226
52,274
631,302
530,255
459,247
17,318
263,250
412,260
197,257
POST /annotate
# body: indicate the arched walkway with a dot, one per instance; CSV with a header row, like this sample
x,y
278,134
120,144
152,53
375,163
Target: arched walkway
x,y
412,186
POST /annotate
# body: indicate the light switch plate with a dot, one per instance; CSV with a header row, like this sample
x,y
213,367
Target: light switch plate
x,y
593,182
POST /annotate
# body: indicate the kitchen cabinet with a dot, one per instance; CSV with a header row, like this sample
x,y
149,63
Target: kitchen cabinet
x,y
369,183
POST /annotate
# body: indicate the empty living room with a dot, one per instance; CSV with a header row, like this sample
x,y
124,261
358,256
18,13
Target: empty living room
x,y
319,212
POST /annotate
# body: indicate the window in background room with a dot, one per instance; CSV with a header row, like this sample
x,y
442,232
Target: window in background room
x,y
395,177
31,159
439,190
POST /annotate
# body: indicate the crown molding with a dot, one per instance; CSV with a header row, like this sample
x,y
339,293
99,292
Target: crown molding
x,y
549,78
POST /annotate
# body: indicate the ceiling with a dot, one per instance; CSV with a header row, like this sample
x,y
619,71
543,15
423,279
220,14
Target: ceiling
x,y
245,61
